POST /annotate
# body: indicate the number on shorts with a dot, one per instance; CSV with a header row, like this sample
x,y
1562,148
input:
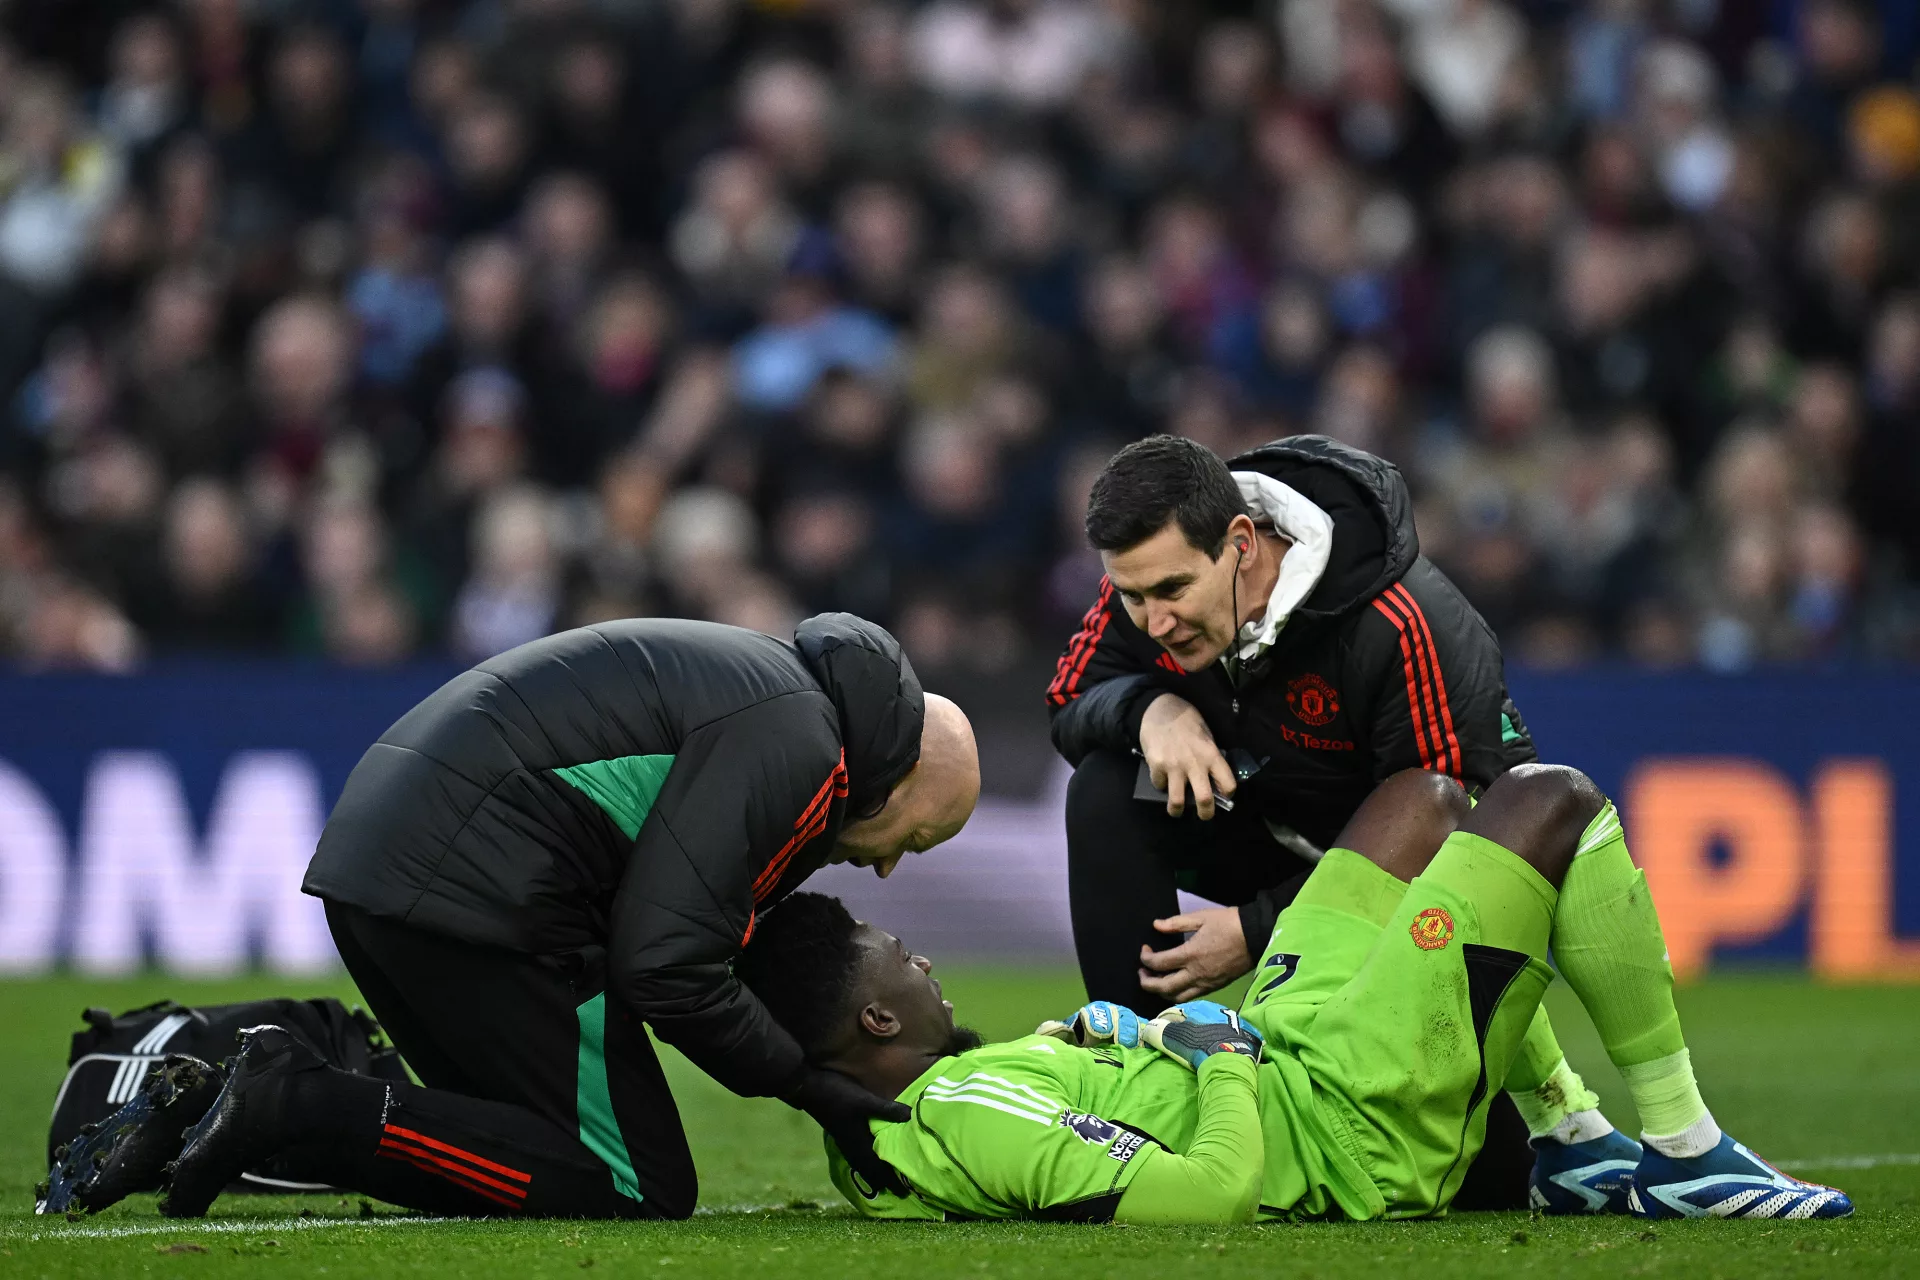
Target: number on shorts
x,y
1287,963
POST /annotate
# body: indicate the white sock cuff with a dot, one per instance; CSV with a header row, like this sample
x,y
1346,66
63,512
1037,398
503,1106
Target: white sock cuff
x,y
1582,1126
1698,1138
1562,1099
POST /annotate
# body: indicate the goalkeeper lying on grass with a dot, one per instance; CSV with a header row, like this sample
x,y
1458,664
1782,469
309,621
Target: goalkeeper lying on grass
x,y
1354,1081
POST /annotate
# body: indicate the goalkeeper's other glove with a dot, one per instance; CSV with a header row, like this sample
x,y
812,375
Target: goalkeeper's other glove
x,y
1195,1031
1101,1022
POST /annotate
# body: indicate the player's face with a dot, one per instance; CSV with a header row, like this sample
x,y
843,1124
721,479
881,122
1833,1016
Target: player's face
x,y
903,984
1178,594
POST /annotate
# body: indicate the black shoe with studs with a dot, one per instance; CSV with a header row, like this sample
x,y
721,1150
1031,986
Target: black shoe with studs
x,y
129,1151
243,1127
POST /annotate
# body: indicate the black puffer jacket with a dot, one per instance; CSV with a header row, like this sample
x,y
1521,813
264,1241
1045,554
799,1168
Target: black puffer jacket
x,y
632,794
1384,666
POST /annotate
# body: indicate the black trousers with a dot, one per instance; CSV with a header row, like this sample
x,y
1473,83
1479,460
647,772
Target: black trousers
x,y
539,1098
1125,861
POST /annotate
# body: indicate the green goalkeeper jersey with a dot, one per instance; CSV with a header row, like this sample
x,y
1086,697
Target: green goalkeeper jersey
x,y
1038,1128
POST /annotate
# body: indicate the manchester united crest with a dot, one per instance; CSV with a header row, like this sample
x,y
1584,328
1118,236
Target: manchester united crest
x,y
1432,929
1313,700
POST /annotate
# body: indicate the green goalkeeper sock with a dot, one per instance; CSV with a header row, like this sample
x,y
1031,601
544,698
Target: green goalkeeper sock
x,y
1608,945
1550,1095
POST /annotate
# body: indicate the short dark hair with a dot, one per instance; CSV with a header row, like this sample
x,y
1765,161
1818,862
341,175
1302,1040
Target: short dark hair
x,y
803,964
1159,479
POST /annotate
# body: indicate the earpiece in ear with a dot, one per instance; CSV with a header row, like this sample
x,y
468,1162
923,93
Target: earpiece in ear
x,y
1243,551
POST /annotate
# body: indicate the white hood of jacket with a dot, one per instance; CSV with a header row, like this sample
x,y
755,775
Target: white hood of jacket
x,y
1309,529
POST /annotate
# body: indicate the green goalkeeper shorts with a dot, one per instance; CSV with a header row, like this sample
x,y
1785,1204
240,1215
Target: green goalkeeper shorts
x,y
1406,1005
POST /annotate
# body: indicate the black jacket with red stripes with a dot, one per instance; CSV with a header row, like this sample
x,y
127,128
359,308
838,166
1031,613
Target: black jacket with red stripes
x,y
625,797
1384,667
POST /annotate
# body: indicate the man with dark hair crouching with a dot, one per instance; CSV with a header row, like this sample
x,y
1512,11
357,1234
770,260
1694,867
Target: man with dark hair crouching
x,y
1267,646
1353,1083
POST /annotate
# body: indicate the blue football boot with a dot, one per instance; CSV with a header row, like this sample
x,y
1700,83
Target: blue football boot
x,y
1583,1177
1728,1182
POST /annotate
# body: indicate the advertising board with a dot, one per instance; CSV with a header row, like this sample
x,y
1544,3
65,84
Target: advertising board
x,y
166,818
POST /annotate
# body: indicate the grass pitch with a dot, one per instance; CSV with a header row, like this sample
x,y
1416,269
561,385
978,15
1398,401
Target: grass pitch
x,y
1825,1080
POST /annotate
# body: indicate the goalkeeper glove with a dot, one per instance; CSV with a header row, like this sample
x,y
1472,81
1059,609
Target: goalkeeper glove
x,y
843,1107
1195,1031
1101,1022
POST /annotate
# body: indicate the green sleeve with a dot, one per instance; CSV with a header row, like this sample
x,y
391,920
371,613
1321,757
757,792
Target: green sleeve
x,y
1006,1143
1218,1179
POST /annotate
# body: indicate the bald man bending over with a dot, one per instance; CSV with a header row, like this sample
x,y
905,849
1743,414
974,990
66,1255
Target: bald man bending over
x,y
558,849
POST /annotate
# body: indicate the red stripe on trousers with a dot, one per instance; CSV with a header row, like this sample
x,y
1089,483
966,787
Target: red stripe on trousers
x,y
1439,683
452,1150
429,1165
420,1153
1413,693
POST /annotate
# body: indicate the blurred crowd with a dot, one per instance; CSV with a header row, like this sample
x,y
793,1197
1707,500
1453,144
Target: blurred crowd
x,y
381,329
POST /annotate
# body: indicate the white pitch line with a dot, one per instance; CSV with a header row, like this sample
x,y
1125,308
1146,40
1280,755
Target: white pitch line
x,y
262,1226
774,1206
244,1226
238,1226
1853,1162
